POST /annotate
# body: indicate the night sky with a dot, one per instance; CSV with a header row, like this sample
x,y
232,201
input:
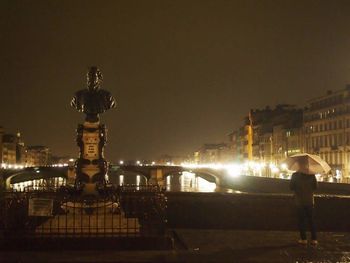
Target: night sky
x,y
183,73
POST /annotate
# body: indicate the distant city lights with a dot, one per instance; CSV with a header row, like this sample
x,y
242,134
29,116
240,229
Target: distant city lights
x,y
249,168
10,166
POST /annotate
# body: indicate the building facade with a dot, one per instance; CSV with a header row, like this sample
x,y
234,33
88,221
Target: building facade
x,y
37,156
327,130
213,153
9,149
269,135
234,146
1,147
244,141
275,133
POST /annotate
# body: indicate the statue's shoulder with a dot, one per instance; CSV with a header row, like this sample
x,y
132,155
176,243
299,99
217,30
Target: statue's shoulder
x,y
107,97
81,92
103,92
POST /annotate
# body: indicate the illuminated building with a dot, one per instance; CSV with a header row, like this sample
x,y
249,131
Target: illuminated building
x,y
1,147
196,157
269,135
166,159
9,149
37,156
234,146
20,149
327,129
213,153
244,141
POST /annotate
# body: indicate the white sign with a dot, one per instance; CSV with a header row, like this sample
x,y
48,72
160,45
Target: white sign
x,y
40,207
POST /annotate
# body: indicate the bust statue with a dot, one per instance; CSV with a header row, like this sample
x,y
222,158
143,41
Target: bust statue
x,y
93,100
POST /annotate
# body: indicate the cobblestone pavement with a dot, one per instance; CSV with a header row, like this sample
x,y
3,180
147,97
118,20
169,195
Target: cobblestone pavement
x,y
212,246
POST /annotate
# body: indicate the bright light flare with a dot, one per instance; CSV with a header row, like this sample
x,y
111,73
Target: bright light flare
x,y
284,166
234,170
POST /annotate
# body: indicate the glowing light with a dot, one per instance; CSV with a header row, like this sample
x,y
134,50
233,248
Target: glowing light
x,y
138,162
153,163
168,183
121,162
319,177
338,175
250,168
205,186
187,181
275,169
284,166
233,170
71,160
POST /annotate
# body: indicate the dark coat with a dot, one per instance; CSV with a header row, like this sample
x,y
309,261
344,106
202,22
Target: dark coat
x,y
93,102
303,186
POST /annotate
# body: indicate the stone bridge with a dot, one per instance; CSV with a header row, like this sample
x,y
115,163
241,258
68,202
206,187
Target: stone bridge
x,y
158,173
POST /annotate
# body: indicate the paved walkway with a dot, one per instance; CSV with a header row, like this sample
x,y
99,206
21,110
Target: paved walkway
x,y
264,246
212,246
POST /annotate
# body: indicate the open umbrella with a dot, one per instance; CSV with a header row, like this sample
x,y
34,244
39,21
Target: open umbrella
x,y
307,164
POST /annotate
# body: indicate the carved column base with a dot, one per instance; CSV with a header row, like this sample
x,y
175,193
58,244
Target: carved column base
x,y
91,167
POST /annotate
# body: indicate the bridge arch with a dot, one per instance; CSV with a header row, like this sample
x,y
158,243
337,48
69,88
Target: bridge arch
x,y
36,173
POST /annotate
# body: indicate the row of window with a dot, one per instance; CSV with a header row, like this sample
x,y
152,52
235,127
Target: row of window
x,y
335,158
331,125
327,113
329,140
327,102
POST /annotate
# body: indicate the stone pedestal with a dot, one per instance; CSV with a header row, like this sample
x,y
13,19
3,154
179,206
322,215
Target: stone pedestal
x,y
101,218
91,167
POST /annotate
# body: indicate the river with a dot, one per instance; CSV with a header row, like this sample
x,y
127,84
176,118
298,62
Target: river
x,y
186,182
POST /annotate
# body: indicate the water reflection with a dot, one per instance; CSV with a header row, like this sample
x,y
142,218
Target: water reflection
x,y
126,178
183,182
188,182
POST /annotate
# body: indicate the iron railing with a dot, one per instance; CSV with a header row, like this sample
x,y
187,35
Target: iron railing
x,y
125,211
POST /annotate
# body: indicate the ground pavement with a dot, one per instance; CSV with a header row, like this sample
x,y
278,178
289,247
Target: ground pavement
x,y
211,246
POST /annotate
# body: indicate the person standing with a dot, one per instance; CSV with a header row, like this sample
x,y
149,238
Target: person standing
x,y
304,186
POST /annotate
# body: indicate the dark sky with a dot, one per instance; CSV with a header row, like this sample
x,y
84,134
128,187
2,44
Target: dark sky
x,y
183,72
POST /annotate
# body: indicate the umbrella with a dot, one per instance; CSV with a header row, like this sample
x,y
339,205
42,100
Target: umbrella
x,y
307,164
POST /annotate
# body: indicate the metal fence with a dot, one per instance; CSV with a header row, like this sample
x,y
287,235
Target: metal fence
x,y
133,211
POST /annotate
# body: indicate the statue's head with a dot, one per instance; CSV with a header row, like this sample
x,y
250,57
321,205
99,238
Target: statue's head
x,y
94,78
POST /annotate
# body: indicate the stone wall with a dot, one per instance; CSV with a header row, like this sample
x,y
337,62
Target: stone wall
x,y
252,211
